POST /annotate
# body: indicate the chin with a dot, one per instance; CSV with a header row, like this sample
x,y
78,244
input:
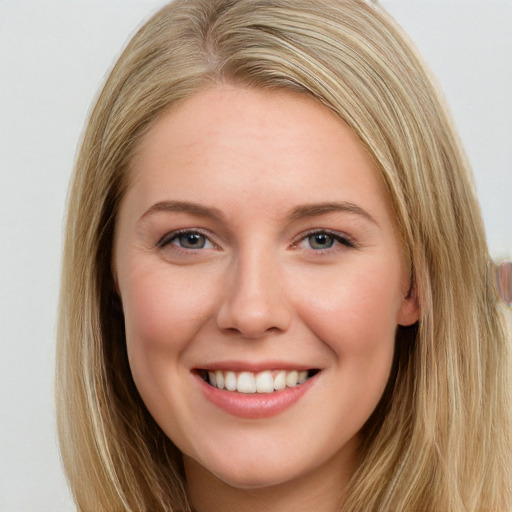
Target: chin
x,y
246,475
248,478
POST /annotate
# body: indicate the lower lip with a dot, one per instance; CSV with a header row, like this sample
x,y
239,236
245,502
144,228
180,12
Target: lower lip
x,y
255,405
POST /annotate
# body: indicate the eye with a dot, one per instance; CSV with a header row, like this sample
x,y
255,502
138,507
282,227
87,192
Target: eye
x,y
191,240
323,240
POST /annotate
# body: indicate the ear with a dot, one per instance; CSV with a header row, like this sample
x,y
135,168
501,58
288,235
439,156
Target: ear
x,y
115,283
113,270
409,312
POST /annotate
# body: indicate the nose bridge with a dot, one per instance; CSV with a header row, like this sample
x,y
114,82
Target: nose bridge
x,y
254,301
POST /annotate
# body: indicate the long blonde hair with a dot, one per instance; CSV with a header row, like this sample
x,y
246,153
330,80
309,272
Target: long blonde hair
x,y
440,438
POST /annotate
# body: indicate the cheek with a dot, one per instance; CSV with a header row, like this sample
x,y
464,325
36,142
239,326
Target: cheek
x,y
162,313
161,310
355,312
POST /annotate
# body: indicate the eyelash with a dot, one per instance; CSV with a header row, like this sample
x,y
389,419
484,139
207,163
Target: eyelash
x,y
342,239
170,237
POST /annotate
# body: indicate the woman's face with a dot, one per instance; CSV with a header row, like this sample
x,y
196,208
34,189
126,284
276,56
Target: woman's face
x,y
255,251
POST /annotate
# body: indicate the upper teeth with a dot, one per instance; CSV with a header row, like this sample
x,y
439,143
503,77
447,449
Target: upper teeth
x,y
262,382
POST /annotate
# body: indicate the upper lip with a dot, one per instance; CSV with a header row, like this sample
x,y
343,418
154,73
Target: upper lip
x,y
254,366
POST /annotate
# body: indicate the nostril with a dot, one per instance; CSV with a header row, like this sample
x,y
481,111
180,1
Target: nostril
x,y
251,321
253,304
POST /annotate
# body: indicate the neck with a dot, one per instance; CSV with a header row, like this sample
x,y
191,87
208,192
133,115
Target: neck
x,y
322,489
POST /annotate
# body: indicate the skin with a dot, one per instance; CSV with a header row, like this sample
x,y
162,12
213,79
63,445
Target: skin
x,y
262,289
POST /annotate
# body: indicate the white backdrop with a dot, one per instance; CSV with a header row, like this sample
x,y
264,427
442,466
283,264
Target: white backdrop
x,y
53,56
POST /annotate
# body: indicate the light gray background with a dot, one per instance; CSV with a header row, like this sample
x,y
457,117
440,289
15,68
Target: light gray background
x,y
53,56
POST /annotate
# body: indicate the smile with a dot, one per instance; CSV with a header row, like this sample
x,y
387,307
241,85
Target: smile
x,y
268,381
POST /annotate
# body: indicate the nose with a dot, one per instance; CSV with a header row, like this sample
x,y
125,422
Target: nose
x,y
254,301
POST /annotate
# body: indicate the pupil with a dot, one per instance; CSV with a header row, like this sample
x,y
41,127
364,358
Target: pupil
x,y
192,240
321,241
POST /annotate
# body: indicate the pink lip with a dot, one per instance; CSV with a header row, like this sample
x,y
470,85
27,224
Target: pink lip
x,y
255,405
255,367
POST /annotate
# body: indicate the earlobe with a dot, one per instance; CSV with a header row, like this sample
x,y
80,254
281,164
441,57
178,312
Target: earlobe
x,y
115,296
409,312
113,275
115,283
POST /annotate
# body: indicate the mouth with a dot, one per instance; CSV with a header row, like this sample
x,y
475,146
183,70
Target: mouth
x,y
264,382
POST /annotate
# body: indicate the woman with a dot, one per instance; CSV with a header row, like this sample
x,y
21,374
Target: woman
x,y
265,299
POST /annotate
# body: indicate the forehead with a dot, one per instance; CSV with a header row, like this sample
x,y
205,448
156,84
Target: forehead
x,y
259,147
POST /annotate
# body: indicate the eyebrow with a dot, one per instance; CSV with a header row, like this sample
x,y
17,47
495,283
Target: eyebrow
x,y
317,209
184,207
298,213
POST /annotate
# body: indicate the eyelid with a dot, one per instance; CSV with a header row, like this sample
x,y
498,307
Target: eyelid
x,y
340,237
171,235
